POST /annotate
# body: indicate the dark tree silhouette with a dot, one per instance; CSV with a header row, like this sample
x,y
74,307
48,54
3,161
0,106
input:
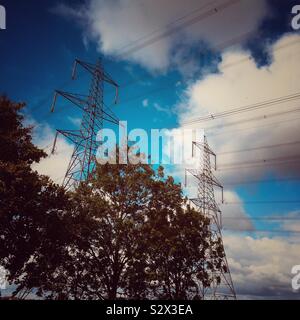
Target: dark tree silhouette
x,y
126,234
30,204
136,239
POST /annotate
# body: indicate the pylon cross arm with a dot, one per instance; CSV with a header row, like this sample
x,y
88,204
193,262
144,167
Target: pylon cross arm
x,y
73,135
201,175
88,66
78,100
205,147
110,80
92,68
211,206
108,117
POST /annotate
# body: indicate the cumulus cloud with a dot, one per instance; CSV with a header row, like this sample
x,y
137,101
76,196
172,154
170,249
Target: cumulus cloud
x,y
152,35
55,165
241,83
177,149
261,267
292,222
234,215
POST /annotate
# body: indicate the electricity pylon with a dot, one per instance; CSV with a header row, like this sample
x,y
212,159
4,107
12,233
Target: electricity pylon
x,y
221,286
83,158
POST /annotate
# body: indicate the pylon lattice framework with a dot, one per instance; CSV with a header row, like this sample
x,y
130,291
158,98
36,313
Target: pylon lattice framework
x,y
83,158
222,285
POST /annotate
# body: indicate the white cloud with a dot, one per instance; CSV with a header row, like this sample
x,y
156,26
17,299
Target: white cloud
x,y
116,24
159,108
55,165
261,267
235,216
145,103
292,222
244,84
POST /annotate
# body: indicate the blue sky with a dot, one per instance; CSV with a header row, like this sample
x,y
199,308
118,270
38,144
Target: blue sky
x,y
44,37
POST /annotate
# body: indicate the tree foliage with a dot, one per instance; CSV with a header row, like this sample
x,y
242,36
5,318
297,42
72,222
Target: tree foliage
x,y
136,239
30,204
126,234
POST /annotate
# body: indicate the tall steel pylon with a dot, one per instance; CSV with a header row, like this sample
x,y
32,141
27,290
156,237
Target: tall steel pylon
x,y
83,158
221,286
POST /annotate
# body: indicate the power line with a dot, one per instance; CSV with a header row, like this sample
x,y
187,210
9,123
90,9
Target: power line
x,y
172,83
263,218
255,127
255,106
164,27
295,157
259,202
208,13
219,47
261,230
48,97
261,105
157,90
260,166
261,181
260,147
176,29
222,46
258,118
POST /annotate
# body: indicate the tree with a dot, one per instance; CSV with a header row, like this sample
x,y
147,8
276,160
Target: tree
x,y
136,238
128,233
180,244
31,206
109,248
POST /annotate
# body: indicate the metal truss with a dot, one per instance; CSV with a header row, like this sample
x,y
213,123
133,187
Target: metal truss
x,y
94,113
221,285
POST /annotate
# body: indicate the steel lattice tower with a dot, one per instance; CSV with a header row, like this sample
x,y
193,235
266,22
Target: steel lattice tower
x,y
83,158
222,285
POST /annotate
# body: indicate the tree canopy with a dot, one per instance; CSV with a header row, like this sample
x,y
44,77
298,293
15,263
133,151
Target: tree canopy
x,y
30,204
128,233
